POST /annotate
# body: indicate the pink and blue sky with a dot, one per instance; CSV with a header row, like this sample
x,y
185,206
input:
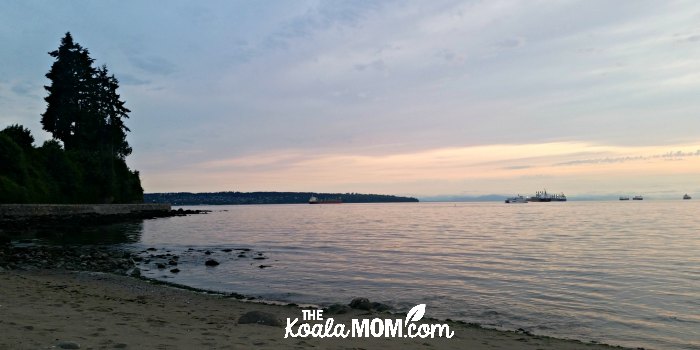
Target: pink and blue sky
x,y
402,97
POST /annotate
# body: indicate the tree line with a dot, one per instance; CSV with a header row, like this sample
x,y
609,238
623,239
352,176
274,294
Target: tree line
x,y
85,160
216,198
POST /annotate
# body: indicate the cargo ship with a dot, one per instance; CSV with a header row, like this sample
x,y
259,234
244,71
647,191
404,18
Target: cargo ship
x,y
314,200
543,196
518,199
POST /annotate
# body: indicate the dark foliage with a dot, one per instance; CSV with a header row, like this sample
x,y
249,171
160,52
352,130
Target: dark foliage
x,y
50,174
186,198
85,161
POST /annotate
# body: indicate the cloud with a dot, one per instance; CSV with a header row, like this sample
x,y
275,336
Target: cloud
x,y
378,65
510,43
677,155
128,79
24,88
153,64
693,38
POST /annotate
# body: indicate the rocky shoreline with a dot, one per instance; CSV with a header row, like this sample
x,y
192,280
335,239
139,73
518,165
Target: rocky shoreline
x,y
30,260
71,258
24,254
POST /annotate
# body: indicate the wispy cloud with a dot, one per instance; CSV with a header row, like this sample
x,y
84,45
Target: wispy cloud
x,y
154,64
677,155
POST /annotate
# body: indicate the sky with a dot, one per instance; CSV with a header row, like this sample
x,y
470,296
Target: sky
x,y
417,98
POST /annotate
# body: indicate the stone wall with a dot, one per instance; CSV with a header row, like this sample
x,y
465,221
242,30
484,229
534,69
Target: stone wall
x,y
9,211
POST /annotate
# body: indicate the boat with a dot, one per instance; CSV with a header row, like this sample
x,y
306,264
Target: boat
x,y
314,200
637,198
624,198
686,196
543,196
518,199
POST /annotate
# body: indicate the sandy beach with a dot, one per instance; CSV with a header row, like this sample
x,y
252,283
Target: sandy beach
x,y
45,309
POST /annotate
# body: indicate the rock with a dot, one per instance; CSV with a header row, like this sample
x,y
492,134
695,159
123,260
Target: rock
x,y
160,266
227,250
259,258
207,252
337,309
236,295
259,317
380,307
151,249
211,262
120,346
68,345
175,270
264,266
172,263
361,303
241,255
135,272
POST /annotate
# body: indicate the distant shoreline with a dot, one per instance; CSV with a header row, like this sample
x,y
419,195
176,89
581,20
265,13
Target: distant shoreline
x,y
237,198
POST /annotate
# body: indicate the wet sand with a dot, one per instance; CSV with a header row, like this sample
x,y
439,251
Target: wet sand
x,y
54,309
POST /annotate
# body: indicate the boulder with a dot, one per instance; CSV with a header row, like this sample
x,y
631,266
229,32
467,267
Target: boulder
x,y
361,304
380,307
211,262
337,309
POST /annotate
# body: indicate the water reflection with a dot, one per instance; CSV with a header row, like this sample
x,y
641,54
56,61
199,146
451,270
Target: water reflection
x,y
77,233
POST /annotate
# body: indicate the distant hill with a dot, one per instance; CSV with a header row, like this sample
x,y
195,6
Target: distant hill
x,y
217,198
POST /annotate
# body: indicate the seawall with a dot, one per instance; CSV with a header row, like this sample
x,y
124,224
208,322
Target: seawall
x,y
27,211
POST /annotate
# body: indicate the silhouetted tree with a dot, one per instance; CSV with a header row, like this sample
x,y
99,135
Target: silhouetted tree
x,y
113,112
84,110
20,135
68,103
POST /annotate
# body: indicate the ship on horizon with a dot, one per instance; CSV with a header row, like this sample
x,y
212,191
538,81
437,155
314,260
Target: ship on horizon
x,y
543,196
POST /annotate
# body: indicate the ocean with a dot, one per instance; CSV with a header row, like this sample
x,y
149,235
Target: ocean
x,y
623,273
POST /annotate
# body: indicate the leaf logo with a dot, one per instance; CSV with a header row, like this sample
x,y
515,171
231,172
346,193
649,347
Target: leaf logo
x,y
416,313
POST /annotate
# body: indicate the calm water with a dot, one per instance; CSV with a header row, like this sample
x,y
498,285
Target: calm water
x,y
625,273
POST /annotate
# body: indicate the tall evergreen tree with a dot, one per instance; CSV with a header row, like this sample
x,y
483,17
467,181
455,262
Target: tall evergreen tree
x,y
113,112
68,101
84,110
